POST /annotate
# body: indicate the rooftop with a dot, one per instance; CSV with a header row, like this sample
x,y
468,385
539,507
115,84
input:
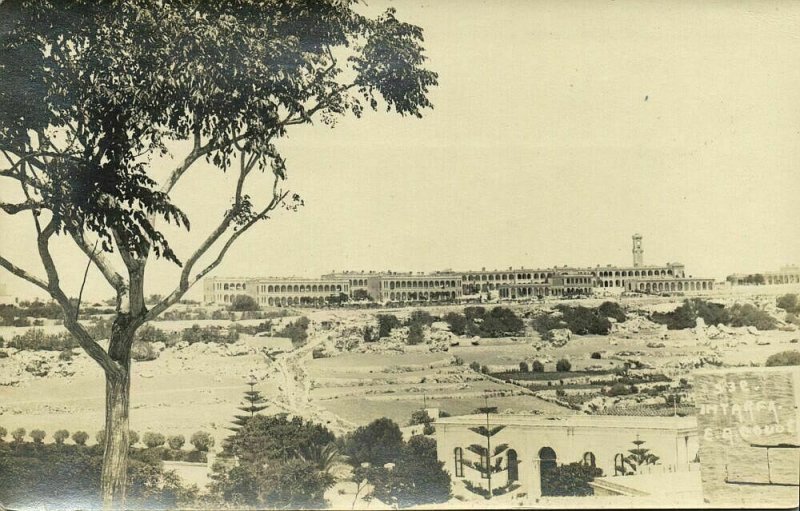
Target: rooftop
x,y
580,421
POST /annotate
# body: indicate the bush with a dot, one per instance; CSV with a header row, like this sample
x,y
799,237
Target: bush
x,y
619,389
38,436
60,435
420,417
569,480
202,441
133,438
789,303
3,433
415,334
537,367
784,358
176,442
475,366
36,339
243,303
66,354
485,369
80,437
612,310
523,367
749,315
143,351
153,440
297,331
563,365
457,322
596,355
100,437
420,317
387,323
18,435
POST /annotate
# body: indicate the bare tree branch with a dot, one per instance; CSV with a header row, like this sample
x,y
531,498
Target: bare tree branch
x,y
19,272
99,259
13,209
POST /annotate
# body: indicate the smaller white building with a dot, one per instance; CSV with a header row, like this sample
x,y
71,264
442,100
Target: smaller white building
x,y
536,443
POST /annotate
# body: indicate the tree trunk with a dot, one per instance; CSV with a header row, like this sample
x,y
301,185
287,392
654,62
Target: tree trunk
x,y
115,458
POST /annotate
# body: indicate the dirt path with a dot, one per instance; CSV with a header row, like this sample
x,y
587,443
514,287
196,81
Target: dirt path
x,y
295,386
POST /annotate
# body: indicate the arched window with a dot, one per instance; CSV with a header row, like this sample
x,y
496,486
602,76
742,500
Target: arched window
x,y
619,464
589,459
513,466
458,456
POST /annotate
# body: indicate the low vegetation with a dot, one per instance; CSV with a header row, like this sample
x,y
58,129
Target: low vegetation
x,y
784,358
738,315
297,331
579,319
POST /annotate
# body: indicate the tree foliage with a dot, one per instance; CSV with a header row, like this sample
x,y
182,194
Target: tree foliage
x,y
377,443
243,303
784,358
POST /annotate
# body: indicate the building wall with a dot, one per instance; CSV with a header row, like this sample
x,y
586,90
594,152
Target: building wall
x,y
677,285
676,445
412,288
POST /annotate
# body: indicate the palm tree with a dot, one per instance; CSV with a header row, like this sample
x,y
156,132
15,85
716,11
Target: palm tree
x,y
327,459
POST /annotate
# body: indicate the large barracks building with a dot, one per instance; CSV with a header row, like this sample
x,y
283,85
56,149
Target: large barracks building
x,y
450,286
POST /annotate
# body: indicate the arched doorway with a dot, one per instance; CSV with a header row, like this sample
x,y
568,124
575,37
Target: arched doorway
x,y
589,459
547,465
513,466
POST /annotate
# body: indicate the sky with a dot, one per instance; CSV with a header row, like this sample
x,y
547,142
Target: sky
x,y
559,129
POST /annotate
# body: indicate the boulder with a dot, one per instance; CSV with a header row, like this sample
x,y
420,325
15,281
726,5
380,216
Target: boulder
x,y
753,330
440,326
559,336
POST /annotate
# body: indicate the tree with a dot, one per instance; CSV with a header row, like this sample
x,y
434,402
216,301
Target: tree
x,y
563,365
523,367
415,334
93,94
80,437
420,417
243,303
377,443
784,358
570,480
133,438
490,460
153,440
18,435
537,367
60,435
38,436
387,323
176,441
418,477
457,322
253,403
202,441
639,456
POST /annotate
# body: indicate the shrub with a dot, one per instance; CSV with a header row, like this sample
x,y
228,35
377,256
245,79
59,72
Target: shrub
x,y
153,440
297,331
421,317
18,435
749,315
66,354
100,437
537,367
428,429
596,355
60,435
618,389
143,351
176,441
475,366
133,438
420,417
784,358
569,480
38,436
202,441
3,433
36,339
485,369
415,334
789,303
80,437
612,310
243,303
387,323
563,365
457,322
523,367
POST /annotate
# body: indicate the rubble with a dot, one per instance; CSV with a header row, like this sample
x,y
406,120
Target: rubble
x,y
559,336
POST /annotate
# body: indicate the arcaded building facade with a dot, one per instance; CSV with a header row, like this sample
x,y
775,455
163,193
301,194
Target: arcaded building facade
x,y
537,443
786,275
448,286
275,292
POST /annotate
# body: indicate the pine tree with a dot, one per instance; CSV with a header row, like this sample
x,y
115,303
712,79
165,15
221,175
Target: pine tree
x,y
491,459
639,456
252,404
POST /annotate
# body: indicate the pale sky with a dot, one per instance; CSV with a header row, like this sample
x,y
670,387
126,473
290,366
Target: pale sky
x,y
560,128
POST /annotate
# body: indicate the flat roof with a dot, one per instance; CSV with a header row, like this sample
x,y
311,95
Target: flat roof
x,y
582,421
